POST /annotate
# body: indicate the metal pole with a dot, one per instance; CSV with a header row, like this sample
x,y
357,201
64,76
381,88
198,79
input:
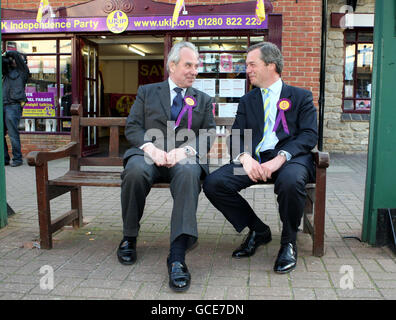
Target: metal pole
x,y
322,74
3,198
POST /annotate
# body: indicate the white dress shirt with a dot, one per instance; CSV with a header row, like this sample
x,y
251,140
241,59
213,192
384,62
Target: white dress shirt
x,y
271,139
173,93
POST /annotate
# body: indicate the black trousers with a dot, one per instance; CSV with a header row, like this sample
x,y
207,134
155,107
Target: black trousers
x,y
223,185
185,185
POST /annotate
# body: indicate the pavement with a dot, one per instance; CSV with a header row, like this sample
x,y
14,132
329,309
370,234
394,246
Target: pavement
x,y
83,262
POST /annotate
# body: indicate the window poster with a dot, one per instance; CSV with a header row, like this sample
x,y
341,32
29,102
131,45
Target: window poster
x,y
201,63
228,109
150,71
34,64
362,104
206,85
226,63
39,104
49,66
232,88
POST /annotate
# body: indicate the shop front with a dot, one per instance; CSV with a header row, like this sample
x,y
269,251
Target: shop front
x,y
98,53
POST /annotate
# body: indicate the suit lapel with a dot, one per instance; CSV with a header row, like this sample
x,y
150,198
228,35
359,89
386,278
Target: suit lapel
x,y
184,120
285,93
164,97
258,109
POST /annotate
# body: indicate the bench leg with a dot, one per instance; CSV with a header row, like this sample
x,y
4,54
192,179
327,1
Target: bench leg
x,y
319,216
308,211
43,205
76,203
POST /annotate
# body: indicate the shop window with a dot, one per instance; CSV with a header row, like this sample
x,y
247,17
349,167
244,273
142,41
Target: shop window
x,y
222,69
49,88
358,69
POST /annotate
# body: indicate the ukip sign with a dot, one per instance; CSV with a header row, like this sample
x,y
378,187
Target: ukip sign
x,y
118,21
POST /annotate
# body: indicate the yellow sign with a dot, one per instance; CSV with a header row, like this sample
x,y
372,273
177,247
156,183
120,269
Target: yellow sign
x,y
117,21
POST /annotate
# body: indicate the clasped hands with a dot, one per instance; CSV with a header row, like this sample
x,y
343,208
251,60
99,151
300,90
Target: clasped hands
x,y
260,172
165,159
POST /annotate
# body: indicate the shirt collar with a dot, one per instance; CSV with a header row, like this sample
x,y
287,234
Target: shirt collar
x,y
276,87
173,85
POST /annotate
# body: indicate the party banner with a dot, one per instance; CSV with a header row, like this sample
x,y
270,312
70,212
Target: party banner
x,y
39,104
150,71
120,104
154,23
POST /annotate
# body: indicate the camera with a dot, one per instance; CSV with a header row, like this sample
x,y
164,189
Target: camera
x,y
12,59
6,64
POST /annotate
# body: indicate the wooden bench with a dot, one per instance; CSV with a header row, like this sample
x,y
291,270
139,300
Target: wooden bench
x,y
75,178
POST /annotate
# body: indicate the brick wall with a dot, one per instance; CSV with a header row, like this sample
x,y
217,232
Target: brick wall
x,y
301,38
31,5
39,142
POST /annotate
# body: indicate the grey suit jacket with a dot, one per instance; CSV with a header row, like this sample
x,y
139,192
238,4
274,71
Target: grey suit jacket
x,y
149,121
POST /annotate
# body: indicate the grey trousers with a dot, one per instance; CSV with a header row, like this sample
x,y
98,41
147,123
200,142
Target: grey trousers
x,y
137,180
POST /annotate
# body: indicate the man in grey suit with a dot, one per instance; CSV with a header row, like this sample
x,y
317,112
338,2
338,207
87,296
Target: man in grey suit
x,y
170,128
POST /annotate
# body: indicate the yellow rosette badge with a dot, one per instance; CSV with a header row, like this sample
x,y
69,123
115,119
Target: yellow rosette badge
x,y
190,101
117,21
284,105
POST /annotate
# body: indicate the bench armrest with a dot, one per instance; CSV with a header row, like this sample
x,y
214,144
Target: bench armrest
x,y
38,158
322,159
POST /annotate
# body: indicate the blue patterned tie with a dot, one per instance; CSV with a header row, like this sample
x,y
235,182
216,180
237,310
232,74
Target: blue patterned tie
x,y
177,104
266,122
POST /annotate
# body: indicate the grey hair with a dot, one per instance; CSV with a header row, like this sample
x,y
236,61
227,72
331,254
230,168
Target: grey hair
x,y
174,54
270,53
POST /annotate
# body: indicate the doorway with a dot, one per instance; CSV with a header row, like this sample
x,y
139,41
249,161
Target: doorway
x,y
123,64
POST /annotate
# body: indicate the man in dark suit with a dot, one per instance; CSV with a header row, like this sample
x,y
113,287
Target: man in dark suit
x,y
277,129
168,143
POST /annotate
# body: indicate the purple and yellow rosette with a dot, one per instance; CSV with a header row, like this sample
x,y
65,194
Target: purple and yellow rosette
x,y
282,105
189,104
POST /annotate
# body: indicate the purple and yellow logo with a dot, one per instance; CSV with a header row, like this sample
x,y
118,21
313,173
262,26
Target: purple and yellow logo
x,y
117,21
284,104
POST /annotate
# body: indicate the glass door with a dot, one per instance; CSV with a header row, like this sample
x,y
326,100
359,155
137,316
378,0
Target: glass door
x,y
89,93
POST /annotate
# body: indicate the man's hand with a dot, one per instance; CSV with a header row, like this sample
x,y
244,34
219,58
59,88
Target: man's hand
x,y
174,156
157,155
252,168
271,166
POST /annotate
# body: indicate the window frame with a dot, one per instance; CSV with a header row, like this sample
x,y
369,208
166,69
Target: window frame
x,y
57,54
356,31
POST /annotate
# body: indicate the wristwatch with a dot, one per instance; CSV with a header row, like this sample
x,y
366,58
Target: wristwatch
x,y
188,152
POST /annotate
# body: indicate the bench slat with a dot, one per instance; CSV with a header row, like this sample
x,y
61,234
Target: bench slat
x,y
102,122
101,161
113,179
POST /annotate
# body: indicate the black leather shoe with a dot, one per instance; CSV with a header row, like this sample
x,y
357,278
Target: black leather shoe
x,y
251,243
126,252
179,277
287,259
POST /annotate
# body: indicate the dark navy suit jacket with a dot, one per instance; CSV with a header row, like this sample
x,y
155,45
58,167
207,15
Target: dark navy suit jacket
x,y
301,121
